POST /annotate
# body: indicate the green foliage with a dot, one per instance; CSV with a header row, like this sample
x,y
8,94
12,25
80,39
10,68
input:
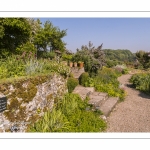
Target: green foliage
x,y
119,55
89,82
11,67
67,57
106,81
49,37
33,66
141,82
112,63
18,35
53,66
83,78
143,59
93,58
71,84
51,55
71,75
121,68
27,47
53,121
15,67
125,71
70,115
15,32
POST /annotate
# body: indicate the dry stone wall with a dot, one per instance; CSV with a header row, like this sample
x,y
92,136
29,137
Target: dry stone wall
x,y
27,100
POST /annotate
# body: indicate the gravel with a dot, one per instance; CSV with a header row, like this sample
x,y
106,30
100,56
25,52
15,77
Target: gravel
x,y
132,115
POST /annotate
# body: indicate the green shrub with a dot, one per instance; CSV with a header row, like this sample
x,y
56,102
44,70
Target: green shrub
x,y
83,78
33,66
71,75
50,55
141,82
108,75
125,71
53,121
111,89
12,67
67,57
106,81
15,66
70,115
71,84
28,48
89,82
121,68
111,63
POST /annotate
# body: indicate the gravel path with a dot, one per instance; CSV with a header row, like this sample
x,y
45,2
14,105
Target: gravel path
x,y
132,115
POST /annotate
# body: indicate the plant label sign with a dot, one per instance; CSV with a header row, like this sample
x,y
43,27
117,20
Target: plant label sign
x,y
3,104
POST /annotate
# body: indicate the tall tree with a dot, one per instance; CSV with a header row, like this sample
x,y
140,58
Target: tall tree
x,y
50,37
14,32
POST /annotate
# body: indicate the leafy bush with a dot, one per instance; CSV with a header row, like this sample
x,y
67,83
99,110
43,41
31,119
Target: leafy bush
x,y
71,84
15,66
53,66
11,67
70,115
89,82
67,57
106,81
111,90
141,81
53,121
50,55
83,78
143,59
71,75
27,47
125,71
93,58
33,67
111,63
121,68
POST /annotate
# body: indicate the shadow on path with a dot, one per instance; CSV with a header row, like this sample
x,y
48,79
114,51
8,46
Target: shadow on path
x,y
144,95
129,85
141,94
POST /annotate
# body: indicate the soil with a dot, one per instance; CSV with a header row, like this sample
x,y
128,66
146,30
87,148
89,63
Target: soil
x,y
132,115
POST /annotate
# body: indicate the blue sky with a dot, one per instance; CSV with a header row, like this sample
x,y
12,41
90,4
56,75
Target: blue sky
x,y
114,33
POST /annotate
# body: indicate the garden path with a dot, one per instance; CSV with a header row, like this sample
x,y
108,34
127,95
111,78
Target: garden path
x,y
132,115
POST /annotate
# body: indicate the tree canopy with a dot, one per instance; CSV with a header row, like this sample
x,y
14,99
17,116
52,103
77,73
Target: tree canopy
x,y
13,33
18,35
119,55
50,37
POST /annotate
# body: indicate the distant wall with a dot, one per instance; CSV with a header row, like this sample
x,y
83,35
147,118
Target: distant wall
x,y
28,99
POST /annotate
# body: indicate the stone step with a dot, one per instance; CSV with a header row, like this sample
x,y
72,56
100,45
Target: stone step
x,y
77,71
97,98
82,91
91,89
108,106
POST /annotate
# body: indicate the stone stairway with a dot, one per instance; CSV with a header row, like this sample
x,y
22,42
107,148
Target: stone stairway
x,y
99,100
77,71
